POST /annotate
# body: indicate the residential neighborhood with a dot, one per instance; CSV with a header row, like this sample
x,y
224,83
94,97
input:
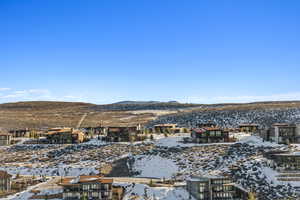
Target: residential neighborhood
x,y
206,163
149,100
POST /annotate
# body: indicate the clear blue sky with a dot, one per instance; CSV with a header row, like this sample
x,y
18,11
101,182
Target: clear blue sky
x,y
191,51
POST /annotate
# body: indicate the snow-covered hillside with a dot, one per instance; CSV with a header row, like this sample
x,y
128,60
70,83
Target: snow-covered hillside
x,y
243,161
232,118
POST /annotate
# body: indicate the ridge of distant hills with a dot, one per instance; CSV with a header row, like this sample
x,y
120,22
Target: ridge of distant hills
x,y
143,102
37,114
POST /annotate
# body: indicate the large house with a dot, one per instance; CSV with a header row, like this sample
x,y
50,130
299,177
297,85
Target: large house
x,y
5,139
285,161
99,130
283,133
215,188
20,132
209,135
65,136
166,128
124,134
87,187
249,128
5,181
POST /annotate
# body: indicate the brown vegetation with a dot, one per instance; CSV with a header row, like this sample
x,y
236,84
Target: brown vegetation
x,y
41,114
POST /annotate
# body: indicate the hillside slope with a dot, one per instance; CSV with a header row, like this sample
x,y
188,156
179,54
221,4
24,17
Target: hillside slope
x,y
39,114
262,113
52,114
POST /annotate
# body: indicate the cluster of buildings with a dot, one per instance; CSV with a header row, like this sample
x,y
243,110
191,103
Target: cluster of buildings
x,y
91,187
125,134
284,161
94,187
168,128
249,128
215,188
210,135
280,133
64,136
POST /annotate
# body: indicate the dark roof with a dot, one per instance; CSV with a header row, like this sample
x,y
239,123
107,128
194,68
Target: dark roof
x,y
241,125
284,125
6,134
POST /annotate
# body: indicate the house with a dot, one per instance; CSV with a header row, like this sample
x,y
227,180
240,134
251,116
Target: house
x,y
215,188
5,181
124,134
65,136
99,130
20,132
209,135
165,128
283,133
285,161
87,187
249,128
5,139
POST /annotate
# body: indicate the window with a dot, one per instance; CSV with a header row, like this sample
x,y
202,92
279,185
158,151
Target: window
x,y
95,194
201,196
94,186
85,187
201,189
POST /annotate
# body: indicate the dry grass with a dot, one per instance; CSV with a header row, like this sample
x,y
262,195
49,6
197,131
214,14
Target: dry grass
x,y
53,114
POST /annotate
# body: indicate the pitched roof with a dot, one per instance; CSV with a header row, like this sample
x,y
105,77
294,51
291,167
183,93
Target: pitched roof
x,y
199,130
6,134
163,125
212,129
85,179
248,125
284,125
63,130
204,129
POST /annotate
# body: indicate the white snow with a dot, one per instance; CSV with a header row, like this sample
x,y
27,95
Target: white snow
x,y
257,141
144,192
155,167
177,141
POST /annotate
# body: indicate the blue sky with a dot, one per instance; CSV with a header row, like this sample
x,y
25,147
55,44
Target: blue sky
x,y
191,51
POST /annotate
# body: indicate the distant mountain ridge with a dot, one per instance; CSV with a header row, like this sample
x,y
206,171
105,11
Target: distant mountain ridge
x,y
143,102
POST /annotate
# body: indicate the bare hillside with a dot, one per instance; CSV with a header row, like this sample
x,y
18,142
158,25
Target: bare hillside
x,y
52,114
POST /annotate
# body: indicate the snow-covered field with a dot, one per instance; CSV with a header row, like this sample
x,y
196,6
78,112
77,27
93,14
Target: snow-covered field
x,y
155,167
63,160
183,160
164,157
